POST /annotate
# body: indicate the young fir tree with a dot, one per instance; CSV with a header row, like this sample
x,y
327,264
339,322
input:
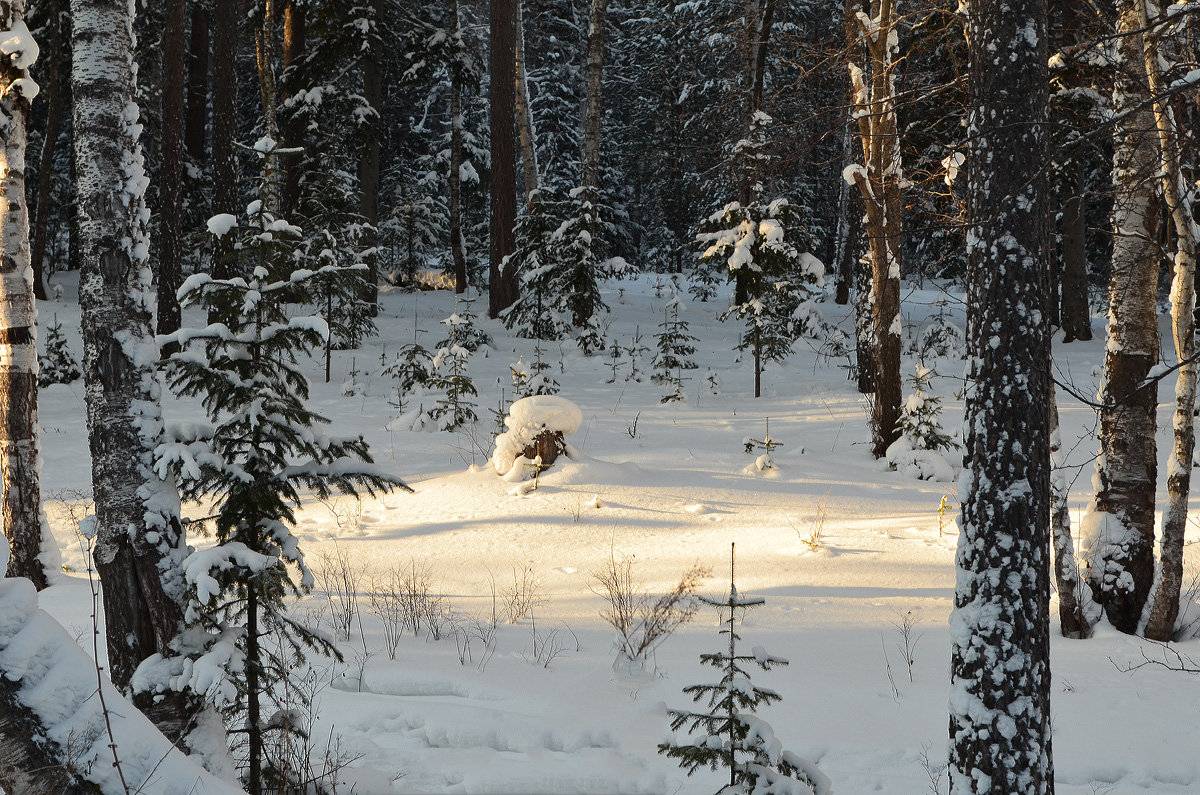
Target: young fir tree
x,y
261,450
765,248
922,441
57,366
456,408
727,734
675,350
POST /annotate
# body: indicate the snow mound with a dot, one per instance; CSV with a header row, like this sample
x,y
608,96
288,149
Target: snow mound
x,y
903,457
527,418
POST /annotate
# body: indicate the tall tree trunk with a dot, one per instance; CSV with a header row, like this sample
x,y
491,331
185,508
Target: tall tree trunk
x,y
1000,724
456,158
371,157
170,223
879,184
1076,315
1161,625
849,227
264,58
197,90
138,535
1072,594
1119,525
224,123
20,481
295,36
502,59
584,306
52,82
528,134
757,23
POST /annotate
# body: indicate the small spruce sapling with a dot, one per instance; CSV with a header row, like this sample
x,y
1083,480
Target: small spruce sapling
x,y
675,350
450,376
919,450
634,351
726,733
57,366
259,454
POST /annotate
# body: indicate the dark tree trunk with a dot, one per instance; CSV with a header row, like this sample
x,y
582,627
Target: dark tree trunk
x,y
1076,315
369,162
1072,593
20,482
52,83
170,223
224,122
29,761
502,61
1000,724
197,90
295,34
136,531
456,158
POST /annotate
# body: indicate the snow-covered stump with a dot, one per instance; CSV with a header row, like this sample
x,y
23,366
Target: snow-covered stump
x,y
537,429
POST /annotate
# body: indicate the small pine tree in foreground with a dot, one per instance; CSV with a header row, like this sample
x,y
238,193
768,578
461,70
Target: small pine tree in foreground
x,y
727,734
57,366
675,350
260,453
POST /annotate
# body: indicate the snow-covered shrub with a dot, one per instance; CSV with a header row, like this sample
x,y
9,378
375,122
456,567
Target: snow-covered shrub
x,y
57,366
942,338
642,622
455,408
726,733
920,450
527,419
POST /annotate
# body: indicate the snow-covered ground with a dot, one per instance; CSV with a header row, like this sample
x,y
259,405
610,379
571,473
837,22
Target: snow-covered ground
x,y
844,551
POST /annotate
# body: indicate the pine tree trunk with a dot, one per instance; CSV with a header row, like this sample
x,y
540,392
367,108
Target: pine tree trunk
x,y
295,35
594,108
138,534
51,82
224,123
170,223
1076,315
197,90
20,481
1119,526
879,184
253,670
1072,594
456,158
502,58
1161,624
371,158
1000,725
528,134
264,58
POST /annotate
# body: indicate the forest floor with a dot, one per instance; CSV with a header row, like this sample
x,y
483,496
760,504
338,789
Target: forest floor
x,y
845,552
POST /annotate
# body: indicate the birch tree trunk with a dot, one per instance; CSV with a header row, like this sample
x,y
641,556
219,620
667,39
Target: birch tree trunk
x,y
1000,725
502,59
1161,624
20,481
1118,528
525,128
138,542
874,108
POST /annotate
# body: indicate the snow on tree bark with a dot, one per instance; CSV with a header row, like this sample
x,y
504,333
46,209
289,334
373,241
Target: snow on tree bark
x,y
1165,609
1118,527
138,541
873,106
170,182
21,507
1000,674
51,82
